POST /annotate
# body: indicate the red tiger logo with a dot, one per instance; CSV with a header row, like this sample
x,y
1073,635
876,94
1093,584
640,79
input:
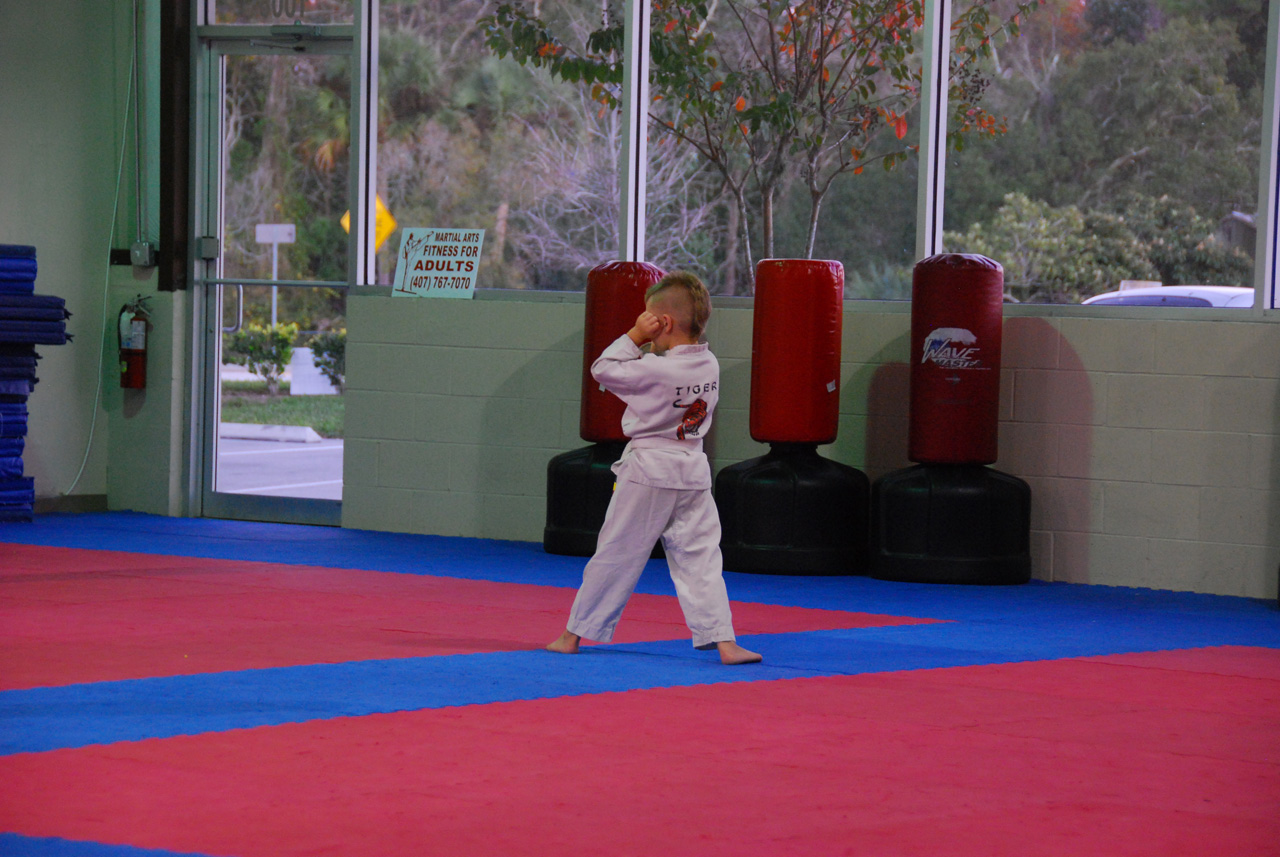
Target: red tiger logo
x,y
695,414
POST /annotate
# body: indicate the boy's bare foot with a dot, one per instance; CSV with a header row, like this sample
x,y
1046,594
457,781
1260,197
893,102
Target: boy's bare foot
x,y
565,644
731,653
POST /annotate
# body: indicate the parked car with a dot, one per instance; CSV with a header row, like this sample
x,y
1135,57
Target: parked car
x,y
1202,296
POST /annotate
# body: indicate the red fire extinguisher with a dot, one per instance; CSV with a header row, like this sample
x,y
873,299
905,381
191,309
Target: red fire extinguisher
x,y
134,320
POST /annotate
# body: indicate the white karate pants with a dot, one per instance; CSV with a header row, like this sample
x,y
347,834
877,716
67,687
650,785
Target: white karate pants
x,y
689,527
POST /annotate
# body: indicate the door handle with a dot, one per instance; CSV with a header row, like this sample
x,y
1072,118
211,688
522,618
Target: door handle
x,y
239,312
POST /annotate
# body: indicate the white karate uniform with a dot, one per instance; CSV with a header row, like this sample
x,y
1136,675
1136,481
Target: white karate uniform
x,y
663,490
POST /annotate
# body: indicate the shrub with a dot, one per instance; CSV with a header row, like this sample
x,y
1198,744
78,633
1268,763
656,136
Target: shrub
x,y
265,350
1055,255
329,352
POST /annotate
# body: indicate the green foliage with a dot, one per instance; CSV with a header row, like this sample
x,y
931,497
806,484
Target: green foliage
x,y
867,220
1098,126
879,281
770,93
469,138
527,38
266,351
1128,20
287,136
1247,17
409,79
1158,114
1054,255
1181,246
1065,254
310,308
329,353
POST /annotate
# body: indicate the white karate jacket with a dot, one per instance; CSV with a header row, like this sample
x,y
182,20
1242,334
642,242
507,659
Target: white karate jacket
x,y
670,400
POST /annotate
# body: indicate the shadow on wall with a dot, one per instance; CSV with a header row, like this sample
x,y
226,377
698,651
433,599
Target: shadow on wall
x,y
729,440
888,410
1047,438
531,417
887,383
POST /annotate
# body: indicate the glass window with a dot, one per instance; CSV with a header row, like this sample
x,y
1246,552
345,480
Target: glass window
x,y
283,362
282,11
285,161
1123,144
784,131
510,140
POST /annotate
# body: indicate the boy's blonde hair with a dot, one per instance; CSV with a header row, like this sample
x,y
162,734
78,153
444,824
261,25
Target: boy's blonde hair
x,y
696,299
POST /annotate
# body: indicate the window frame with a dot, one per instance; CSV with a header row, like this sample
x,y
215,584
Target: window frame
x,y
1264,271
932,178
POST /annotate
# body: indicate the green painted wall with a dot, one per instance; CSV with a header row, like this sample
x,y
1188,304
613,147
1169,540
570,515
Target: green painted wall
x,y
1152,447
65,70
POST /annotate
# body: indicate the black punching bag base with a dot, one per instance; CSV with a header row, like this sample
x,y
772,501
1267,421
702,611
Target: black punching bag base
x,y
579,487
793,512
951,523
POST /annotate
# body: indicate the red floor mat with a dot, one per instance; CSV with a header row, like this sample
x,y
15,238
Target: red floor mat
x,y
71,616
1161,754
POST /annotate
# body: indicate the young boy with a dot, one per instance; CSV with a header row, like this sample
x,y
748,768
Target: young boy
x,y
663,483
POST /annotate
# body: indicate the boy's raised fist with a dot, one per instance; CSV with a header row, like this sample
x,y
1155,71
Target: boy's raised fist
x,y
647,326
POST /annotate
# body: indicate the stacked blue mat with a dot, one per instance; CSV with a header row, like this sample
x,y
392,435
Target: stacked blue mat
x,y
26,319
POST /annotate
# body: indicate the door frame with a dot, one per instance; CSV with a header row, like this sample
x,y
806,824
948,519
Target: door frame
x,y
210,44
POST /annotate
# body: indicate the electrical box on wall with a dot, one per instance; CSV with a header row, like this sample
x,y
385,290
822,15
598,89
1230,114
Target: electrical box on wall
x,y
142,255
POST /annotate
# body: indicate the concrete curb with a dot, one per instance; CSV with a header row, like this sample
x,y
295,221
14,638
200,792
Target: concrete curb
x,y
284,434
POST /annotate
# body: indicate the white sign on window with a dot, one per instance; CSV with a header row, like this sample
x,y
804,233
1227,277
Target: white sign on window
x,y
438,263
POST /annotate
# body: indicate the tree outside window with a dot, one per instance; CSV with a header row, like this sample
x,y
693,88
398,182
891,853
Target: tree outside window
x,y
1132,152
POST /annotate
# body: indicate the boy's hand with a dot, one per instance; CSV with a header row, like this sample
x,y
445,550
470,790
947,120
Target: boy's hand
x,y
647,326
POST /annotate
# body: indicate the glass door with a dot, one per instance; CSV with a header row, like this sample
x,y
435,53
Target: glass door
x,y
272,227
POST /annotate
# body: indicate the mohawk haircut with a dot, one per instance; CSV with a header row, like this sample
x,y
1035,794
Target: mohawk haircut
x,y
692,293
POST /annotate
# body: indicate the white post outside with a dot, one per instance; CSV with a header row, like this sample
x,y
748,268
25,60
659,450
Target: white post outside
x,y
275,234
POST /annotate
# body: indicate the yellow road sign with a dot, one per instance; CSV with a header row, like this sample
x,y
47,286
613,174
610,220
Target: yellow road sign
x,y
384,223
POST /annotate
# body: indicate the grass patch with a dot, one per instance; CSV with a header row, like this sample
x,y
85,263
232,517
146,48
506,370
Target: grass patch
x,y
248,402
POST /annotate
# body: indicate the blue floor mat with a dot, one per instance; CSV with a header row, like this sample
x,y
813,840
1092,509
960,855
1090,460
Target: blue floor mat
x,y
980,625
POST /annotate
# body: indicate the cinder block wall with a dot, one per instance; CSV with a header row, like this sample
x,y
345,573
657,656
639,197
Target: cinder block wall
x,y
1151,446
453,409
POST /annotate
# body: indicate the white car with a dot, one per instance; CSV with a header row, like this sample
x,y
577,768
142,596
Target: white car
x,y
1202,296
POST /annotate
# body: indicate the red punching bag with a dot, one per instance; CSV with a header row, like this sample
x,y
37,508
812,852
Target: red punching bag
x,y
957,303
795,351
615,296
